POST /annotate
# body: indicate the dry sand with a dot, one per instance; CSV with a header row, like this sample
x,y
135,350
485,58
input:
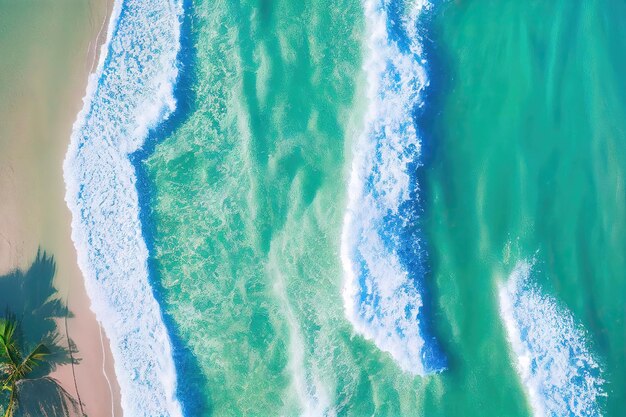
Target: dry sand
x,y
47,51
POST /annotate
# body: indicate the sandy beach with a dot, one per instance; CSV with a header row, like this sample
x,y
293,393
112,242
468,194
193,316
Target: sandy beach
x,y
48,50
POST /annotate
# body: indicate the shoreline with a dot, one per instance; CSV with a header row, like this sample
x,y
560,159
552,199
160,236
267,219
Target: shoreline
x,y
109,244
41,91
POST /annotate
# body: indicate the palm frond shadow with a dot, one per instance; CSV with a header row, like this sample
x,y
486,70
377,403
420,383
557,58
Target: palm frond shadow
x,y
44,397
32,299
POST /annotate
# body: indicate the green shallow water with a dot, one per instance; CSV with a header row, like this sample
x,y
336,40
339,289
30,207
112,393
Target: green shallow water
x,y
525,132
529,162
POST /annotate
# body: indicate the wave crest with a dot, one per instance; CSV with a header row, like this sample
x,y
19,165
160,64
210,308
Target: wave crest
x,y
381,251
560,375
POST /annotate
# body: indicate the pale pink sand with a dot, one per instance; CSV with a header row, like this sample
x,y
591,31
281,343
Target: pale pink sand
x,y
37,111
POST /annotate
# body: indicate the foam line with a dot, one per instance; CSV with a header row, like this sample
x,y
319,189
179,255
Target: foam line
x,y
130,92
312,394
381,253
559,373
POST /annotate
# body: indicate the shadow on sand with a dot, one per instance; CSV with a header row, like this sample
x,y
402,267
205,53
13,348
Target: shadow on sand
x,y
30,297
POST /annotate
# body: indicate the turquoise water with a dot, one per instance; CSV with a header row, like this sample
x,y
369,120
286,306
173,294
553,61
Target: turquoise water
x,y
377,208
528,167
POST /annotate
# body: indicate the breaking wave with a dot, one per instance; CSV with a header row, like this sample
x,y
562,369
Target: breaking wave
x,y
130,92
559,373
382,253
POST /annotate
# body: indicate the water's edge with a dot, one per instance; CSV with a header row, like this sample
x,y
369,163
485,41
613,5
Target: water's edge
x,y
129,93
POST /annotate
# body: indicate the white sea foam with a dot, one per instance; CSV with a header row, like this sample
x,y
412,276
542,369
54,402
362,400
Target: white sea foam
x,y
381,297
559,373
130,92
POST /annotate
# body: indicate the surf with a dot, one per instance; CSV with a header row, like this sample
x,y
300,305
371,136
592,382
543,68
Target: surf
x,y
559,373
130,92
382,253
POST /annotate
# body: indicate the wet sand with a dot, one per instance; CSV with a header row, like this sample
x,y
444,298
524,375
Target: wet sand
x,y
48,50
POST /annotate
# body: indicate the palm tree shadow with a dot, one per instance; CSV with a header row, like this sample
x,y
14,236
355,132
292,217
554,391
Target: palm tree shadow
x,y
32,299
44,397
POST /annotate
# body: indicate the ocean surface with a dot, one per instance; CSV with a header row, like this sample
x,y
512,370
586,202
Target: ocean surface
x,y
358,207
